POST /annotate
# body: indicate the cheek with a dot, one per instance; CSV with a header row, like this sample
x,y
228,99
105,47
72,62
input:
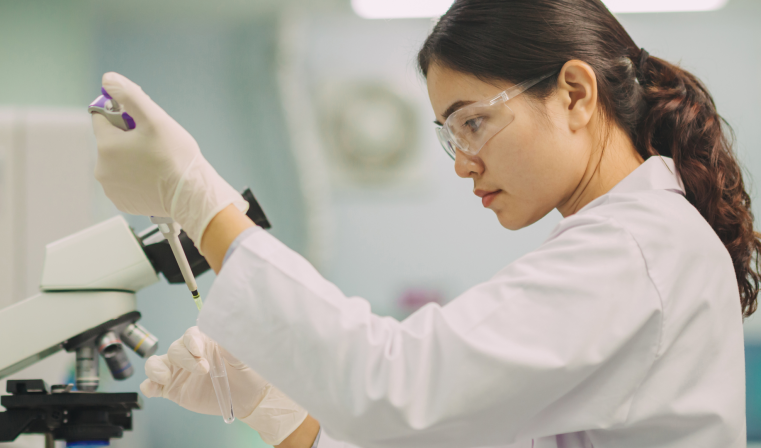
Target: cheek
x,y
525,156
530,161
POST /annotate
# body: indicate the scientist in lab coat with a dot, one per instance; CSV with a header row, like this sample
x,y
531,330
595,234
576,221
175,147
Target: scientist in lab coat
x,y
623,330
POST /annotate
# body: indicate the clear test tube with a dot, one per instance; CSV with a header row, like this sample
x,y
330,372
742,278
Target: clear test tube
x,y
221,385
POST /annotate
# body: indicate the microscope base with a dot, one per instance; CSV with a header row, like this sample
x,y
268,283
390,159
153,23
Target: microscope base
x,y
64,415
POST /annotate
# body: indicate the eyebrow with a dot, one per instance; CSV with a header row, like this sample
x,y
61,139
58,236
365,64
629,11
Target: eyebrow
x,y
452,109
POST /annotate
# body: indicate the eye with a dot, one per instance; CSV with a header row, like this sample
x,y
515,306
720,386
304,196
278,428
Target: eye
x,y
473,125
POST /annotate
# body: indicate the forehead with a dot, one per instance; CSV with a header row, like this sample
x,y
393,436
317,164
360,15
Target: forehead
x,y
447,86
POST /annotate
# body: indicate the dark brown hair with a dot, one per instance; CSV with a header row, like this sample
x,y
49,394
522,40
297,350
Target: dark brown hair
x,y
664,110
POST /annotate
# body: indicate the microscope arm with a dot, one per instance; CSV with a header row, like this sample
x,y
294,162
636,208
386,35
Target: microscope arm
x,y
89,278
87,298
88,287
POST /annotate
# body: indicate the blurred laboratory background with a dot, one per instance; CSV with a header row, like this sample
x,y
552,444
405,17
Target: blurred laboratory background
x,y
318,107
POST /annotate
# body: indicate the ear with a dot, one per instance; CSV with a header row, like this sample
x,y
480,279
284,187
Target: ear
x,y
577,89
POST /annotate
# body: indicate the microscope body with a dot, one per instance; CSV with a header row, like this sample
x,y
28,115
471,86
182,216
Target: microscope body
x,y
87,305
87,297
89,278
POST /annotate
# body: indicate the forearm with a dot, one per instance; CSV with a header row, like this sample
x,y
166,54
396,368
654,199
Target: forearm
x,y
221,232
303,436
223,229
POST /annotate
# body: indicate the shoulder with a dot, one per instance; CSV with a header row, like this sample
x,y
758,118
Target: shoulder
x,y
661,222
588,252
676,244
627,236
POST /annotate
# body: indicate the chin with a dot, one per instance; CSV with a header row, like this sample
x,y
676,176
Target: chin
x,y
513,221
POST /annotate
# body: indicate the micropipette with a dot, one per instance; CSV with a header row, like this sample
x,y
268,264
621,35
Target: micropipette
x,y
115,114
217,371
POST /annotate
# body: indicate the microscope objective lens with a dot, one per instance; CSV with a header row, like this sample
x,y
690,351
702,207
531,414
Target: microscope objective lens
x,y
136,337
112,350
87,369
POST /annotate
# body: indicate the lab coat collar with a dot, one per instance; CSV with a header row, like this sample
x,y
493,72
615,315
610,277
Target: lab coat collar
x,y
656,173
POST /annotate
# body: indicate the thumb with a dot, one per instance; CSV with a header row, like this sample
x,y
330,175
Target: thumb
x,y
105,132
136,103
151,389
159,370
180,355
231,360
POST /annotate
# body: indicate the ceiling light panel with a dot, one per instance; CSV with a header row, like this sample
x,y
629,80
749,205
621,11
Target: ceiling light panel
x,y
408,9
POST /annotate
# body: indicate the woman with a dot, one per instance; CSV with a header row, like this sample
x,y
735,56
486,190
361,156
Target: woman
x,y
624,329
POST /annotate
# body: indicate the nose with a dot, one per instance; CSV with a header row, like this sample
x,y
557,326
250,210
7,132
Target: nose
x,y
467,166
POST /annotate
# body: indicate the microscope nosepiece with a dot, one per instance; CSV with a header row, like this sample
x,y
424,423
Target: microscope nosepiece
x,y
112,350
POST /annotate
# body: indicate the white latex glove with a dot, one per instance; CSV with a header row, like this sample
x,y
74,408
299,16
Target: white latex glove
x,y
157,168
182,375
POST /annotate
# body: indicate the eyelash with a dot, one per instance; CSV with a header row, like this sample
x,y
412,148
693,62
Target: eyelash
x,y
465,124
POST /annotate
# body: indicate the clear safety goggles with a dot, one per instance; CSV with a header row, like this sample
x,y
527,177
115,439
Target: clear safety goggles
x,y
469,128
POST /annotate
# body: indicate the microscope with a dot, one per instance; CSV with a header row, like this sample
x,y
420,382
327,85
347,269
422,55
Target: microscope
x,y
87,306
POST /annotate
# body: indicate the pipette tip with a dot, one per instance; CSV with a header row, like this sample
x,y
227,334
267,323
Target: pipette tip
x,y
197,299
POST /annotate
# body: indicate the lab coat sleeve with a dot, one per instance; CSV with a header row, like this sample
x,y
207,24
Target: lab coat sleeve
x,y
328,442
556,342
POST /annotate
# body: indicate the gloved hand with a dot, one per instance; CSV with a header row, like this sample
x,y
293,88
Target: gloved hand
x,y
157,168
182,375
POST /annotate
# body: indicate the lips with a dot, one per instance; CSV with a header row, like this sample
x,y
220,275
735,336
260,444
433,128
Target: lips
x,y
486,196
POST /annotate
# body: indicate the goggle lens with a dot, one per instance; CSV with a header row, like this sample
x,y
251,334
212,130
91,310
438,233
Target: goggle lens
x,y
448,146
470,128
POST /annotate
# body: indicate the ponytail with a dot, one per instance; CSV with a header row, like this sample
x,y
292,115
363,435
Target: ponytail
x,y
662,108
681,122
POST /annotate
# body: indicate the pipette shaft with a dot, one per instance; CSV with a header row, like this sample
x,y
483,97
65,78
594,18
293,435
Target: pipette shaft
x,y
171,232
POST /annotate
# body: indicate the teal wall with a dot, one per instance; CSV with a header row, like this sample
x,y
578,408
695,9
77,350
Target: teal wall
x,y
46,52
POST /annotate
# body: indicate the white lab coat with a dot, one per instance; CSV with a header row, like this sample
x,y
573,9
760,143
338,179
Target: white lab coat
x,y
623,330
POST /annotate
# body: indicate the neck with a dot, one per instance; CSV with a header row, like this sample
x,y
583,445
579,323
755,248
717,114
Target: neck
x,y
608,165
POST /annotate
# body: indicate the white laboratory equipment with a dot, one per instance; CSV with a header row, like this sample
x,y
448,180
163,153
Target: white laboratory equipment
x,y
86,305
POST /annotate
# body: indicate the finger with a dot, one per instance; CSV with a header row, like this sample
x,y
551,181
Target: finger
x,y
151,389
158,369
136,103
195,342
194,337
180,356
